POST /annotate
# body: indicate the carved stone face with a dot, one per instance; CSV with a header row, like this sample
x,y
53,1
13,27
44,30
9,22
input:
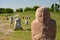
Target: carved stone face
x,y
42,14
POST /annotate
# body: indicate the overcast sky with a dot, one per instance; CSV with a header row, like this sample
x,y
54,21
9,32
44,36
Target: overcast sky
x,y
14,4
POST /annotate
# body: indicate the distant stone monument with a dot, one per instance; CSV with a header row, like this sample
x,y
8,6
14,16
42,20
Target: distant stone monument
x,y
43,27
17,24
22,17
26,17
7,18
11,20
26,21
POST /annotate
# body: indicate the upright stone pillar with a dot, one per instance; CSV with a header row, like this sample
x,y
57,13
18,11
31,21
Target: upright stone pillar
x,y
43,27
7,18
26,21
17,24
11,20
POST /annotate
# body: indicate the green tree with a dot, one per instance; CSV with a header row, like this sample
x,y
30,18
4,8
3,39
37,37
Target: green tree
x,y
28,9
52,7
2,10
35,7
58,7
49,9
19,10
55,7
9,10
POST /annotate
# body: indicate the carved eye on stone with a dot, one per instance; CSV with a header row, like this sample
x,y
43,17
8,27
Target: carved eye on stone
x,y
41,14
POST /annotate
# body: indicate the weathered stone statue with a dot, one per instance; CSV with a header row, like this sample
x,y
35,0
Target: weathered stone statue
x,y
17,24
43,27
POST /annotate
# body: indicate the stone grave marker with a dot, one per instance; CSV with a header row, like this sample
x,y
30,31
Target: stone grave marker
x,y
17,24
11,20
7,18
26,21
26,17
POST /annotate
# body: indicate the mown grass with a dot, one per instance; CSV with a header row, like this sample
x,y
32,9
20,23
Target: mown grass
x,y
26,34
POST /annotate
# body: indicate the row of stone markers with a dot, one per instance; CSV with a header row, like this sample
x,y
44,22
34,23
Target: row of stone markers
x,y
26,17
43,27
17,22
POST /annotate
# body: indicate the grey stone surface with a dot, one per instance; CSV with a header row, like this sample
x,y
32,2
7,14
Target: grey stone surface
x,y
11,20
17,24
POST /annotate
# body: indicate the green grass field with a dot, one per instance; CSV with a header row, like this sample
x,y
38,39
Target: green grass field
x,y
26,34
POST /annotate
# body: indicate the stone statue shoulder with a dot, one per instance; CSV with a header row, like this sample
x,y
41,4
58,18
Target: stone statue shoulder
x,y
34,22
53,21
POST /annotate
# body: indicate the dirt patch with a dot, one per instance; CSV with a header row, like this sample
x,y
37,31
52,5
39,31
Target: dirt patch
x,y
5,29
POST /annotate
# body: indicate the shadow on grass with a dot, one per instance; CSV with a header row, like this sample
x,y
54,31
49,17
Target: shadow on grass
x,y
21,29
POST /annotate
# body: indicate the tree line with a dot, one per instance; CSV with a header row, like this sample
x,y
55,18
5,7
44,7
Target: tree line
x,y
10,10
6,10
55,7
